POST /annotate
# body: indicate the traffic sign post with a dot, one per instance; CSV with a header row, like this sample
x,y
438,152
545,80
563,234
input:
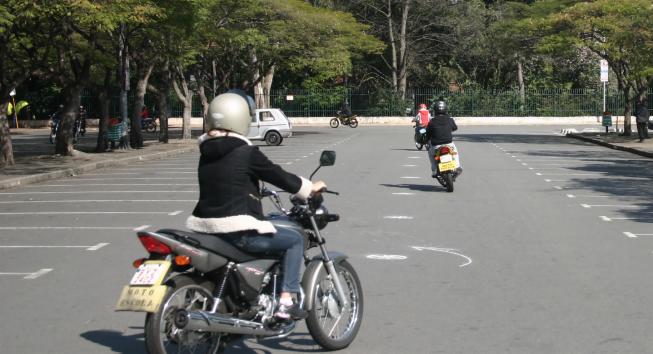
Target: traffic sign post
x,y
607,118
13,102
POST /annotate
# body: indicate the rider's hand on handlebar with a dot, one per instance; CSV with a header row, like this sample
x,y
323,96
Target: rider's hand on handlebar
x,y
318,186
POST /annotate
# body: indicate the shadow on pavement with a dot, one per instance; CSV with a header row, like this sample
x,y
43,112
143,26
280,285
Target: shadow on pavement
x,y
625,181
417,187
115,340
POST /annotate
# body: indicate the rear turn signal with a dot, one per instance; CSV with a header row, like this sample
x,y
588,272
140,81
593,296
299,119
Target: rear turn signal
x,y
153,245
182,260
137,263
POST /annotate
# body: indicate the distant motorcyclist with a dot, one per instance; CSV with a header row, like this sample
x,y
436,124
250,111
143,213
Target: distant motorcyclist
x,y
345,111
422,118
439,132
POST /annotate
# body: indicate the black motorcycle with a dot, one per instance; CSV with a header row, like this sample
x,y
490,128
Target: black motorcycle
x,y
447,168
201,292
148,124
420,138
340,118
79,127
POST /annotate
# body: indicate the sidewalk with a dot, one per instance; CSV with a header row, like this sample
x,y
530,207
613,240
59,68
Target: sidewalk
x,y
615,141
33,166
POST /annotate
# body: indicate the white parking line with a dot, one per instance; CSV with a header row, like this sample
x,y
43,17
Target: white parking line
x,y
607,206
403,193
30,275
634,235
410,177
130,178
88,248
568,174
141,228
398,217
98,191
589,196
99,201
93,212
415,157
408,165
605,218
66,228
113,184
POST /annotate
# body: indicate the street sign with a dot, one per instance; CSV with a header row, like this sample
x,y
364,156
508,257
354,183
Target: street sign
x,y
607,121
604,70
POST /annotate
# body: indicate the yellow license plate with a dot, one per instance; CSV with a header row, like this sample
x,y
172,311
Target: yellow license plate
x,y
447,166
145,292
141,298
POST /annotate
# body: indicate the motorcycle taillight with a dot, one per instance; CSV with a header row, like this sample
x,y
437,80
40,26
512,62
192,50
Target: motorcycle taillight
x,y
153,245
445,150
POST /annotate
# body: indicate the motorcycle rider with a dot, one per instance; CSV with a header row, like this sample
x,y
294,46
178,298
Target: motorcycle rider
x,y
439,132
229,205
345,111
422,118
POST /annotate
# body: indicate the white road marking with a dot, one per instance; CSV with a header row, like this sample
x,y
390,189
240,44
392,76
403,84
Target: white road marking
x,y
445,250
605,218
630,234
607,206
410,177
176,212
130,178
65,228
398,217
555,180
571,196
568,174
38,274
387,257
112,184
415,157
141,228
408,165
99,201
98,191
88,248
403,193
620,218
90,212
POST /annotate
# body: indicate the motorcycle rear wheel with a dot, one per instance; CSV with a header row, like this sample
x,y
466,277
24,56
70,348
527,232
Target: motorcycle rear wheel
x,y
150,127
334,123
353,123
163,337
332,326
448,181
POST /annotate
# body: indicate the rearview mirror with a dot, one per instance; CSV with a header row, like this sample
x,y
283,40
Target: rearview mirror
x,y
328,158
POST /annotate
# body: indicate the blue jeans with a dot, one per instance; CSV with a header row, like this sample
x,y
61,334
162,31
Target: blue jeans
x,y
288,242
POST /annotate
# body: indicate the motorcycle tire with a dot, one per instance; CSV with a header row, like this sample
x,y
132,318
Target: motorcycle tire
x,y
353,123
53,137
161,335
448,181
326,315
334,123
273,138
150,127
419,146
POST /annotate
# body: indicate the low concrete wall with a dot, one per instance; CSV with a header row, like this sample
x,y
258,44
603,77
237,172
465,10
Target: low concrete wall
x,y
319,121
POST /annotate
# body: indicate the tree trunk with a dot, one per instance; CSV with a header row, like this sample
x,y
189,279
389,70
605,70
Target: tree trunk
x,y
522,87
185,95
267,85
393,47
104,99
403,52
205,104
64,144
6,148
164,113
136,134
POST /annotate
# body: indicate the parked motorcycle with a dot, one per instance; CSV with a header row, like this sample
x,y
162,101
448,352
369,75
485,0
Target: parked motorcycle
x,y
420,138
351,121
201,292
447,167
148,124
79,127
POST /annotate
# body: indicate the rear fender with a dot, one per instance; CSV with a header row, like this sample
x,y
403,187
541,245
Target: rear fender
x,y
202,260
313,268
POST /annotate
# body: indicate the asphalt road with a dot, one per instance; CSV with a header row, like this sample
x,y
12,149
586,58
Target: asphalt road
x,y
545,246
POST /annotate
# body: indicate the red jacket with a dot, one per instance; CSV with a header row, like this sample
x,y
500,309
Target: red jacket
x,y
424,117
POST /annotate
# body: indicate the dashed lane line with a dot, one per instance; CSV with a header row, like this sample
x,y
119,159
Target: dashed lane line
x,y
88,248
29,275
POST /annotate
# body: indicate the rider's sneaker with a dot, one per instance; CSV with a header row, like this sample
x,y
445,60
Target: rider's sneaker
x,y
459,171
287,312
434,174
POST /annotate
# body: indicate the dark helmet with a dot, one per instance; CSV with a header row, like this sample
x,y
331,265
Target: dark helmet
x,y
441,107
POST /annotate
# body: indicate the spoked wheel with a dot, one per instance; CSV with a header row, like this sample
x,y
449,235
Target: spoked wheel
x,y
161,334
334,123
150,127
353,123
448,181
332,325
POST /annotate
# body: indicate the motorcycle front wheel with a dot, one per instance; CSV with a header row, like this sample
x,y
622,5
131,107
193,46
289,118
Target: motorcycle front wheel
x,y
353,123
161,334
330,324
150,127
334,123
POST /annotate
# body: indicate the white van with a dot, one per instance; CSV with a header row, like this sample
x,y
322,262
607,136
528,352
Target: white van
x,y
271,125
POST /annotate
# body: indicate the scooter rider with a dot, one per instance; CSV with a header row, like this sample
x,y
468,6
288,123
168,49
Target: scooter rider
x,y
230,169
439,132
422,118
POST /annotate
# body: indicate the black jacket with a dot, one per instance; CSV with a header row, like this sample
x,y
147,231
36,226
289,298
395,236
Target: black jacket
x,y
439,129
229,173
642,113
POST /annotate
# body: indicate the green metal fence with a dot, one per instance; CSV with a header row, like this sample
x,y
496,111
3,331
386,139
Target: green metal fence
x,y
383,102
472,103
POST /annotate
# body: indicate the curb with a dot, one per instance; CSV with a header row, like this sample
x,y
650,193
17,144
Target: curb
x,y
74,171
611,146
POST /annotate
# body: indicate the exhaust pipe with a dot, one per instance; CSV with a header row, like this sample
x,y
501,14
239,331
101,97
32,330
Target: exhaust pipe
x,y
215,322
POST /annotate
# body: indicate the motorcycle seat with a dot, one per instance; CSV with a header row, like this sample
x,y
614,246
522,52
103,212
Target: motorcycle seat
x,y
211,242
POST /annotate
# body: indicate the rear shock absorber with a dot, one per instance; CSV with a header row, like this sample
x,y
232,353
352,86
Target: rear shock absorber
x,y
218,294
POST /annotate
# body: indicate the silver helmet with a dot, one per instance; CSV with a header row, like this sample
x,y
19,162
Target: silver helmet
x,y
441,107
231,111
